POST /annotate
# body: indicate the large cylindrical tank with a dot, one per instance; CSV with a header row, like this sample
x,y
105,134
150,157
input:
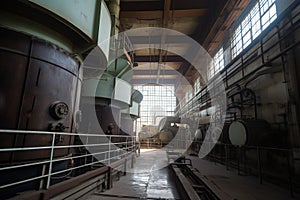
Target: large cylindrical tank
x,y
40,87
108,115
38,91
42,46
165,136
126,124
249,132
221,134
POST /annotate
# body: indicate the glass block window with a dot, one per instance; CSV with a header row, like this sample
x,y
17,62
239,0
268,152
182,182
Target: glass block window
x,y
258,19
158,101
217,63
197,86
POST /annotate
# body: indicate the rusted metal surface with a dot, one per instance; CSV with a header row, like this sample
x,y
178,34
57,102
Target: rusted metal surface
x,y
74,182
109,115
34,75
63,186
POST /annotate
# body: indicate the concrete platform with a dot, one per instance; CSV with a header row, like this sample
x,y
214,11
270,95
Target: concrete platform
x,y
236,186
149,179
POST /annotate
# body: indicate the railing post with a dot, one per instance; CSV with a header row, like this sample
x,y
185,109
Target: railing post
x,y
259,165
126,146
132,161
109,148
43,173
109,179
226,156
125,167
238,159
132,145
50,163
290,171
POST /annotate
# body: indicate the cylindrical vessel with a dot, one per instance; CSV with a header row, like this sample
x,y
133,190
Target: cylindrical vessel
x,y
249,132
166,136
38,91
126,124
42,46
221,134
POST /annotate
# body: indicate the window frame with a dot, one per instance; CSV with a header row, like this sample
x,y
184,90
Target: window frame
x,y
258,19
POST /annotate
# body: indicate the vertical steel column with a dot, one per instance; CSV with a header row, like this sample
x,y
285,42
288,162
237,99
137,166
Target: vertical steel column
x,y
132,145
290,173
238,159
132,161
259,165
226,157
51,159
109,179
125,167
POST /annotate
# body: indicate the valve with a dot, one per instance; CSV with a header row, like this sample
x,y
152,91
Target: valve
x,y
59,110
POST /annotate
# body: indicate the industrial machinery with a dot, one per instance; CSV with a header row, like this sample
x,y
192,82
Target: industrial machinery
x,y
249,132
161,134
42,48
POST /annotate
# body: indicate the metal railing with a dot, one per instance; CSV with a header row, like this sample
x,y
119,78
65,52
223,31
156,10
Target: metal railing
x,y
89,151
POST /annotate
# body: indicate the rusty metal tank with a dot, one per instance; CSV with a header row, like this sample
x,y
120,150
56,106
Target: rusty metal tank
x,y
220,135
249,132
42,48
38,91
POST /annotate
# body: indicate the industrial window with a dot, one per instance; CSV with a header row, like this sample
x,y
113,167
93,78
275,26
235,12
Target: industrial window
x,y
217,63
188,95
158,101
219,60
246,31
258,19
197,86
255,20
268,12
236,44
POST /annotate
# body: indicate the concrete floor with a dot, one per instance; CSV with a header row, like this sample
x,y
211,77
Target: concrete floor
x,y
238,187
149,179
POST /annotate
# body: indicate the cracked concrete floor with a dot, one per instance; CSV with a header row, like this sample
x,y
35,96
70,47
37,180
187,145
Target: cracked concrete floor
x,y
149,179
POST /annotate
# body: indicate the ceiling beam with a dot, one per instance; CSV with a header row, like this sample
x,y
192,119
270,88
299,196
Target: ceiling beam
x,y
190,4
155,58
157,14
176,39
154,14
189,13
141,5
166,13
159,5
154,72
153,81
